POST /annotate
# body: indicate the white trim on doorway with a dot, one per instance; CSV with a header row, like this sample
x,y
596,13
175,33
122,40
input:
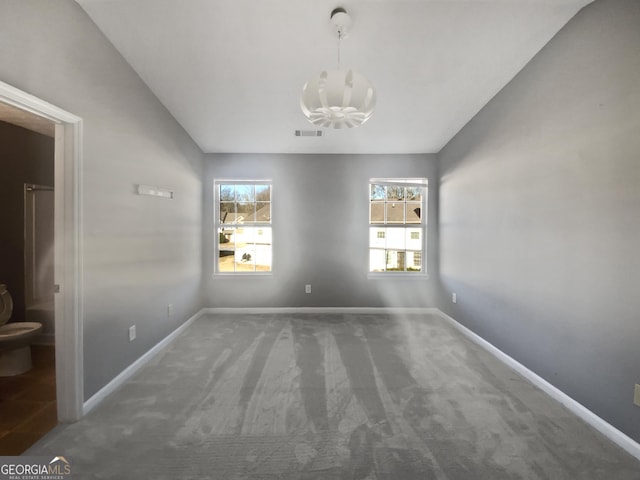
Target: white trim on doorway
x,y
68,247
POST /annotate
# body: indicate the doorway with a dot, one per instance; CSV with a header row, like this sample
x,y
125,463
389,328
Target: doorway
x,y
22,109
28,386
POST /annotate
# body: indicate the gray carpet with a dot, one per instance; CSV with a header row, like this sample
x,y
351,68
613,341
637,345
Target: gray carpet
x,y
332,397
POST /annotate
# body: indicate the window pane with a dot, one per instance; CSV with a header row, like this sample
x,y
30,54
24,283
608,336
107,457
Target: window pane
x,y
263,212
246,212
395,212
376,214
377,237
257,245
227,193
395,192
377,192
263,193
376,260
262,235
245,193
414,212
395,261
227,212
246,258
263,248
413,194
414,239
263,257
414,261
245,250
226,249
396,238
243,236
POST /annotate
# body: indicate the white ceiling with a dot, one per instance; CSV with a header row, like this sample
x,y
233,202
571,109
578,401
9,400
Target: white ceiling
x,y
231,71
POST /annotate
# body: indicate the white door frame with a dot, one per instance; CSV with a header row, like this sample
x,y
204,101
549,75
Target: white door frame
x,y
68,247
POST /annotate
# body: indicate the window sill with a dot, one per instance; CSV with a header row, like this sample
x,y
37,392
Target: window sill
x,y
397,275
242,274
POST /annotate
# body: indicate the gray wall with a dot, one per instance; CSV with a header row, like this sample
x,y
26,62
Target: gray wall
x,y
25,157
540,214
141,253
320,211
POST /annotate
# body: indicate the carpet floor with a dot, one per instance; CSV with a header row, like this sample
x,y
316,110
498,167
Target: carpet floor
x,y
349,396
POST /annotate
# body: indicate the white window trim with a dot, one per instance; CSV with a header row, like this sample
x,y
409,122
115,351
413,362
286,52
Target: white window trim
x,y
407,182
216,225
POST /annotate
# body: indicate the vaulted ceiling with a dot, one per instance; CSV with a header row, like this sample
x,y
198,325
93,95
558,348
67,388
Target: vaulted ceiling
x,y
231,71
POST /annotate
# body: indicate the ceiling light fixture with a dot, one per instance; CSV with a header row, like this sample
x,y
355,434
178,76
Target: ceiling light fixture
x,y
337,98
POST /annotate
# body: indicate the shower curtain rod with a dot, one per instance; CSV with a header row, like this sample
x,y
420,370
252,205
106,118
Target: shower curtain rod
x,y
32,186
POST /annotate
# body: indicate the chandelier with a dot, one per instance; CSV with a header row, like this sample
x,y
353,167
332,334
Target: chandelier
x,y
338,98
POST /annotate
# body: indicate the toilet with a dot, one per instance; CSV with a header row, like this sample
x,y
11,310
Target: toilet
x,y
15,339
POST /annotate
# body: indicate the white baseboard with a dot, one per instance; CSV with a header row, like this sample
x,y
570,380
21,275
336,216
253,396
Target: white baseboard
x,y
97,398
616,436
320,310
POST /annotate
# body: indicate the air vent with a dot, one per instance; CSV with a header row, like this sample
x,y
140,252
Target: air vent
x,y
308,133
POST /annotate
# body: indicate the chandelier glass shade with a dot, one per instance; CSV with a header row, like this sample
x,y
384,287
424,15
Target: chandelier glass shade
x,y
338,98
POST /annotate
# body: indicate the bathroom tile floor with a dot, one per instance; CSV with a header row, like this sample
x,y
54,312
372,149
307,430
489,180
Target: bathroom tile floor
x,y
28,407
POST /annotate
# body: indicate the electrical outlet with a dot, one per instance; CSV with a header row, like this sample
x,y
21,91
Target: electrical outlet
x,y
307,288
170,309
636,395
132,333
454,298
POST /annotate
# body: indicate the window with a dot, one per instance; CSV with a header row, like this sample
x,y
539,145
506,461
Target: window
x,y
243,226
397,224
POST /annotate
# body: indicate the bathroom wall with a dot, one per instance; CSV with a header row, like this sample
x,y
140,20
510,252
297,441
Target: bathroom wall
x,y
25,157
540,214
140,253
320,218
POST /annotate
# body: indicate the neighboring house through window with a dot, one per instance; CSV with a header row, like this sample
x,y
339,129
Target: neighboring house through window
x,y
243,225
397,225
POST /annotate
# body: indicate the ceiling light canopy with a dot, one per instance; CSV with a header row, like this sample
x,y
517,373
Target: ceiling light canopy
x,y
338,98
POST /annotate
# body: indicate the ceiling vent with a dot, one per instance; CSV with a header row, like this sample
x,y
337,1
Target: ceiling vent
x,y
308,133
